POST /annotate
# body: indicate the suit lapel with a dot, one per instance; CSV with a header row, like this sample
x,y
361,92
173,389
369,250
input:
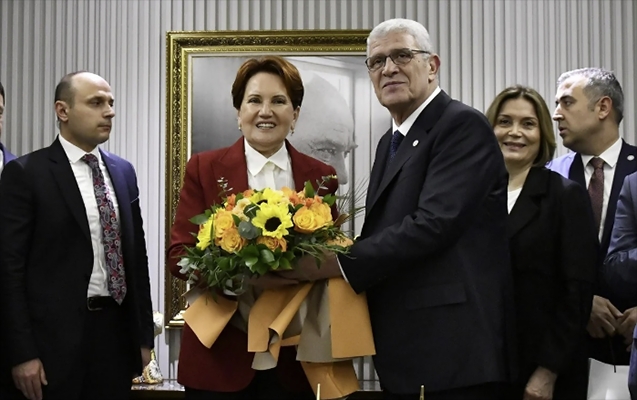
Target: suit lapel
x,y
378,168
576,171
301,171
121,189
233,168
416,135
527,205
65,179
625,166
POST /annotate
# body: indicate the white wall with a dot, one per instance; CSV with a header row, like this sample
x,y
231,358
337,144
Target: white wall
x,y
484,46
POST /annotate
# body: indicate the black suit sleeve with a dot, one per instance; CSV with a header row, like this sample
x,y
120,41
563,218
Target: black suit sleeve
x,y
142,281
17,214
579,252
461,171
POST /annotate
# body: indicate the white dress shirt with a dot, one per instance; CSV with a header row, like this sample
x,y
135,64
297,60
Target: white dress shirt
x,y
1,161
274,172
97,285
610,157
512,198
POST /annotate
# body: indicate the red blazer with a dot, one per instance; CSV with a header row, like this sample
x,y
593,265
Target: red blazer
x,y
226,366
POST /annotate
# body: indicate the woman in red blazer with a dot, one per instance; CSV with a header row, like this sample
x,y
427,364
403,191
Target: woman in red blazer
x,y
267,94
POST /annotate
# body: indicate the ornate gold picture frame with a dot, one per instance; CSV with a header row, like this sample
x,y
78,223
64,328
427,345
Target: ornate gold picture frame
x,y
199,73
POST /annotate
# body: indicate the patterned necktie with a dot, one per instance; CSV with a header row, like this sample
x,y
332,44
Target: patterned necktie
x,y
396,139
596,188
111,239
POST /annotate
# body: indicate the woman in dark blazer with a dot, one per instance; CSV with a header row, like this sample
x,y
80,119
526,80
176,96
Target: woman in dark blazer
x,y
554,252
267,95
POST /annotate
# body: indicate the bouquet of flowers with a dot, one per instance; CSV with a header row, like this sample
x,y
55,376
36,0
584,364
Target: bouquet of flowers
x,y
257,231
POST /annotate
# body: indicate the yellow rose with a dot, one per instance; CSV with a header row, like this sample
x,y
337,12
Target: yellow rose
x,y
230,241
324,211
223,222
273,243
342,241
205,234
307,221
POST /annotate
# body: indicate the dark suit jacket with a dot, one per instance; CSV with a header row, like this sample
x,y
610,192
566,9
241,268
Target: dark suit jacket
x,y
46,260
621,263
226,366
433,254
7,154
570,166
554,253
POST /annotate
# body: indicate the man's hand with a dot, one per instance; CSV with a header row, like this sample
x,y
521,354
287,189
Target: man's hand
x,y
145,357
604,319
29,377
306,269
627,324
540,385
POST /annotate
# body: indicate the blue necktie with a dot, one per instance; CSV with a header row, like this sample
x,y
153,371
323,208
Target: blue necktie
x,y
396,139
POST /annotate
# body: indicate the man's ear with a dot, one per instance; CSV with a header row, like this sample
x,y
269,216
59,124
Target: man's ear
x,y
604,107
434,65
61,109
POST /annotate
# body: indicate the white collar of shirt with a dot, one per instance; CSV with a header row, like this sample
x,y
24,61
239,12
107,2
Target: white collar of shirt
x,y
74,153
407,124
256,161
610,156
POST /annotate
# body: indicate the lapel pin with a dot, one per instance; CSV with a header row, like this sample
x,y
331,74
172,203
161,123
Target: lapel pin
x,y
415,143
630,157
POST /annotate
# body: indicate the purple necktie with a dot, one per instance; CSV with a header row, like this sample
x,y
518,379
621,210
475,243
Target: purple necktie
x,y
396,139
110,232
596,188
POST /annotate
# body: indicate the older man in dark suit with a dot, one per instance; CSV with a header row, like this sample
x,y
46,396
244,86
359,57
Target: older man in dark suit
x,y
74,282
5,155
432,255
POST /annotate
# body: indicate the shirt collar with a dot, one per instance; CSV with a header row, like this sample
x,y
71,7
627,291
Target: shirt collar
x,y
610,156
256,161
74,153
409,122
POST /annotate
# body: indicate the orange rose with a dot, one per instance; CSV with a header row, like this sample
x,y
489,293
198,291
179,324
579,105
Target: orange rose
x,y
231,202
231,241
342,241
322,210
273,243
307,220
223,222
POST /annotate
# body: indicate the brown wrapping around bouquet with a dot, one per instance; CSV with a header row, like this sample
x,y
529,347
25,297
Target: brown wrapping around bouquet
x,y
327,321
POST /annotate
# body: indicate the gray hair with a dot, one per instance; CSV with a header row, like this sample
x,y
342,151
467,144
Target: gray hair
x,y
411,27
600,83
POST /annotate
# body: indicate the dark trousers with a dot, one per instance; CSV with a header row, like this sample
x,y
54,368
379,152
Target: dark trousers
x,y
264,386
487,391
104,370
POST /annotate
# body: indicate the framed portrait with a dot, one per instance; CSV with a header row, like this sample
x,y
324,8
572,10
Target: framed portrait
x,y
339,119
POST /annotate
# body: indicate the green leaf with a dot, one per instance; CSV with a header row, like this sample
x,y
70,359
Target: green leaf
x,y
236,219
309,189
249,251
223,263
251,261
267,256
284,263
250,210
329,199
199,219
248,231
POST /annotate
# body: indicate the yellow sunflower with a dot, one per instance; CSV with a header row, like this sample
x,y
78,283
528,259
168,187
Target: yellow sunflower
x,y
205,234
274,220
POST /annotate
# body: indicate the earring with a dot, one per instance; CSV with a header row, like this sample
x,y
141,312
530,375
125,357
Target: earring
x,y
239,126
292,130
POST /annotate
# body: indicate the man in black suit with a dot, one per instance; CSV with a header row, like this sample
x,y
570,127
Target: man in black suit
x,y
589,108
5,155
74,282
433,254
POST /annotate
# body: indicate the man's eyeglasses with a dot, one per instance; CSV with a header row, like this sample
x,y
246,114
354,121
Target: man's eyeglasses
x,y
398,57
